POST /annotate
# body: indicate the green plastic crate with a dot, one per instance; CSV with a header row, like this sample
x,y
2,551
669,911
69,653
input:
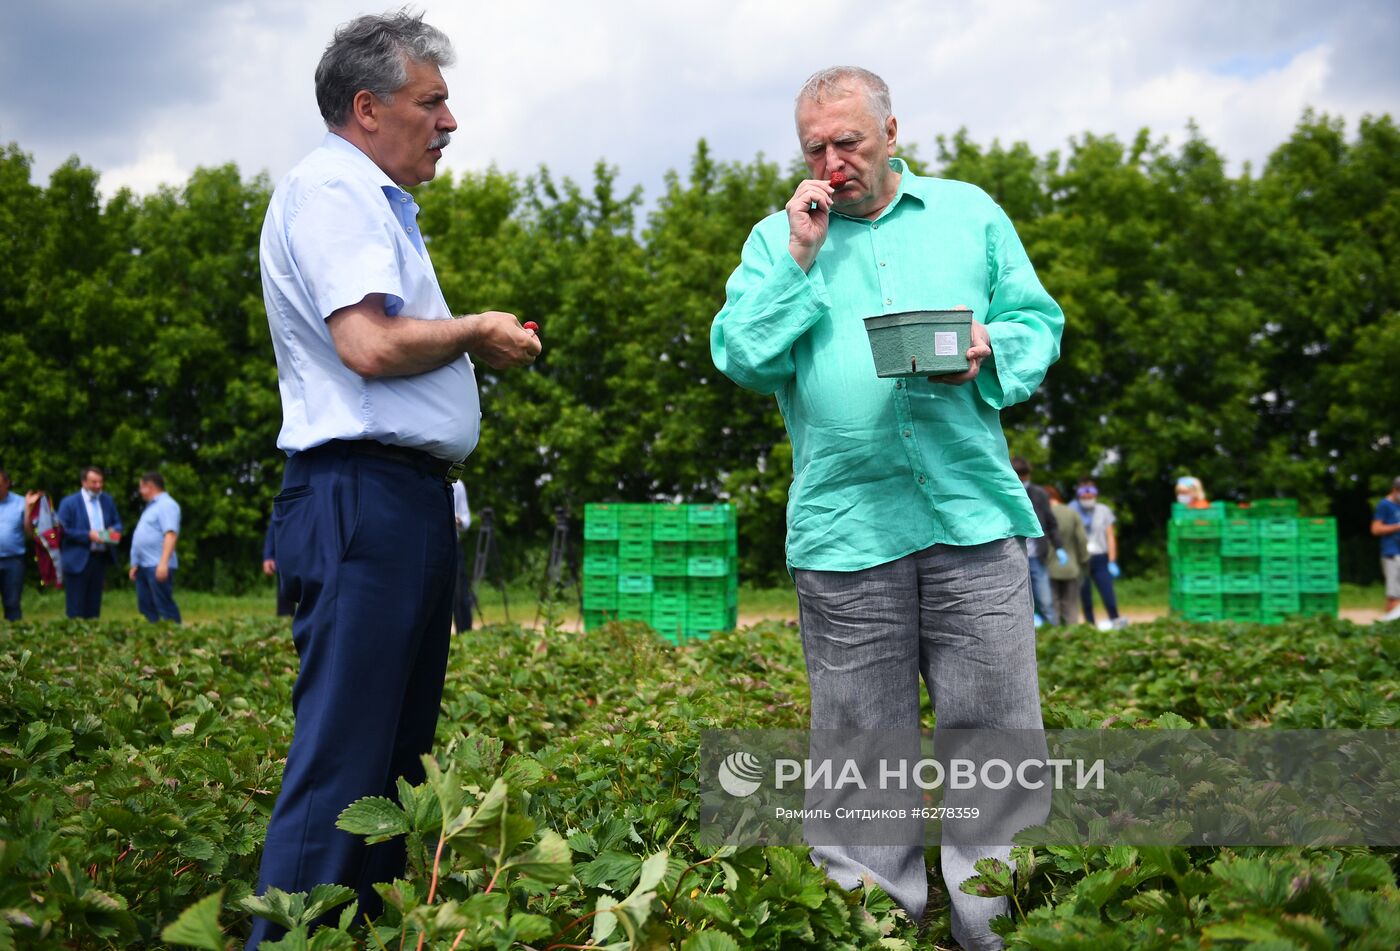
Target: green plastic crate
x,y
1317,582
707,532
1274,582
1317,546
1239,565
707,567
671,601
1197,583
634,584
1240,538
707,549
600,599
668,522
635,513
710,604
669,558
633,548
1240,583
1277,545
712,620
670,625
669,584
1279,564
1214,510
1314,561
599,522
595,619
1318,527
1198,528
599,565
1280,603
1204,565
1196,548
633,566
1278,528
1311,603
1239,606
713,587
1202,607
634,607
716,514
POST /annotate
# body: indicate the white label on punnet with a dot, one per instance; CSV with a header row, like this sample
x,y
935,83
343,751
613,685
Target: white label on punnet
x,y
945,343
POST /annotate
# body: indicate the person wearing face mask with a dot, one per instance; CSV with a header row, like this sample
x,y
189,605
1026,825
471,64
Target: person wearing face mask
x,y
1038,548
1190,493
1103,554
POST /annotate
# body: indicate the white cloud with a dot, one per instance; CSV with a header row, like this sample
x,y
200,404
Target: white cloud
x,y
146,174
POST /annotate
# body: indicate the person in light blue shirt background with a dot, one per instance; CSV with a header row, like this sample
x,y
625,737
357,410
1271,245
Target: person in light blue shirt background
x,y
153,558
1385,525
14,529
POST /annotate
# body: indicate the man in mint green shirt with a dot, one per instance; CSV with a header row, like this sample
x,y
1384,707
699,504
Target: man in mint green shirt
x,y
904,515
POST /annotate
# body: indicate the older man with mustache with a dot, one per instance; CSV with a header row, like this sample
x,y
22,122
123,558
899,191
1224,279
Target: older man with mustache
x,y
380,407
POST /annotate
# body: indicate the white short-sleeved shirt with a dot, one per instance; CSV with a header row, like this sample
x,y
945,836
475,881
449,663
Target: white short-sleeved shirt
x,y
337,230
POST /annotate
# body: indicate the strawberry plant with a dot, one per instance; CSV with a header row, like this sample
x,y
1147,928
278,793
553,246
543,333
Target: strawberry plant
x,y
560,807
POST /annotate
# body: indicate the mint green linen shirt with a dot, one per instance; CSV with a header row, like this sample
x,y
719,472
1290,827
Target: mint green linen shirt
x,y
883,468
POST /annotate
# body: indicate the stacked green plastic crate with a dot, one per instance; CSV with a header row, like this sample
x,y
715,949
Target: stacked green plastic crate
x,y
672,566
1259,562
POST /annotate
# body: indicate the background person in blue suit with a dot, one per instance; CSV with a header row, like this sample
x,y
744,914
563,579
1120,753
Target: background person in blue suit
x,y
91,528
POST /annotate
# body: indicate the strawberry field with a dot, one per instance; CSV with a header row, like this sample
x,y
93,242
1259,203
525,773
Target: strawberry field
x,y
138,765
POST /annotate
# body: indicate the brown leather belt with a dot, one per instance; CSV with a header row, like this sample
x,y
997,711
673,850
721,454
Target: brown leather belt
x,y
416,458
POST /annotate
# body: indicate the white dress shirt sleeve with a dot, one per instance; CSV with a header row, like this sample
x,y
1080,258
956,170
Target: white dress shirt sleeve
x,y
343,248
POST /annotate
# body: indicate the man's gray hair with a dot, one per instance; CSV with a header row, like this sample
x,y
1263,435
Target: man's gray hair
x,y
372,52
837,81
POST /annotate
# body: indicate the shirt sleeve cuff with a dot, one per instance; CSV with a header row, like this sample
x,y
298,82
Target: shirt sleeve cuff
x,y
997,384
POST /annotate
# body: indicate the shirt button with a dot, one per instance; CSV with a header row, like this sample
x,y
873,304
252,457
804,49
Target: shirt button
x,y
888,301
877,226
908,433
899,384
404,200
409,230
921,480
882,264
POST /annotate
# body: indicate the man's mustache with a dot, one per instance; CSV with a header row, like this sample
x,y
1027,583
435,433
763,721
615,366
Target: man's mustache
x,y
440,142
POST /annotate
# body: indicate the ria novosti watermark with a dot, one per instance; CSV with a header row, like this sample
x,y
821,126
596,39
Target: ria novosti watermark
x,y
1103,787
741,774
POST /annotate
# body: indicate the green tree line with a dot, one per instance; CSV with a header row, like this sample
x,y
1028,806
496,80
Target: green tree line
x,y
1243,328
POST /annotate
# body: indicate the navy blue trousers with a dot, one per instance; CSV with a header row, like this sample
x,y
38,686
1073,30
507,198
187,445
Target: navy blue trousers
x,y
156,599
12,585
368,549
82,590
1101,579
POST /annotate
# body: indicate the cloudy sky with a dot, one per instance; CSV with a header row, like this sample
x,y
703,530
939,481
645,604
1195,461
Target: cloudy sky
x,y
147,90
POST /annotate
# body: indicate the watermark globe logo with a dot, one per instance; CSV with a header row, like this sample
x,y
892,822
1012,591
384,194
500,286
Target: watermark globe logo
x,y
740,774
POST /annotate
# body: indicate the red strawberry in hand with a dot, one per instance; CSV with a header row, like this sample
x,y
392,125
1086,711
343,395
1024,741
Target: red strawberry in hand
x,y
531,325
837,179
